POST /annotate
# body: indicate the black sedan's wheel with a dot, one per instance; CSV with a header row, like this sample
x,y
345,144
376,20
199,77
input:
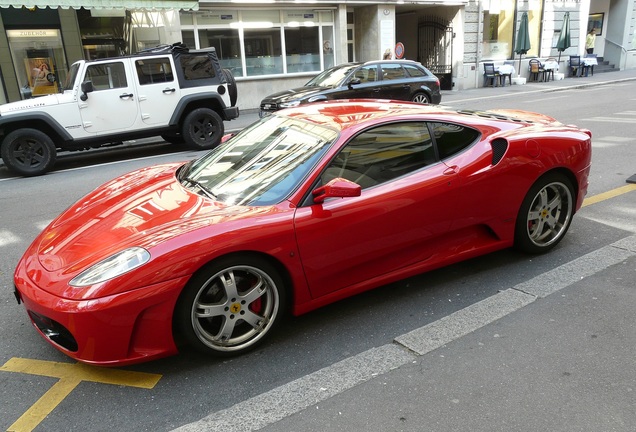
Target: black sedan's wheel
x,y
231,305
421,98
28,152
545,214
202,129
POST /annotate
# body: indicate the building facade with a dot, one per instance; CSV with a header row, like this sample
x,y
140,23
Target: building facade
x,y
272,45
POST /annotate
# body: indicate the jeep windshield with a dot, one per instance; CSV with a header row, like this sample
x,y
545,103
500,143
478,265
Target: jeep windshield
x,y
70,78
262,165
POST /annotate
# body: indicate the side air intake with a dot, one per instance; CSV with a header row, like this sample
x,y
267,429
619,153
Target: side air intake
x,y
499,147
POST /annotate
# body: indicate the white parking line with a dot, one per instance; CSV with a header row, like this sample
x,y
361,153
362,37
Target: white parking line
x,y
276,404
7,238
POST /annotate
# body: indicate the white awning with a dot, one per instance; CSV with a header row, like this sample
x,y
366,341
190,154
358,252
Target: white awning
x,y
105,4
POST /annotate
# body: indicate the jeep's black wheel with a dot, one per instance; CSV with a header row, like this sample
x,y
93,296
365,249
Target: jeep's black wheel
x,y
28,152
231,86
172,138
202,129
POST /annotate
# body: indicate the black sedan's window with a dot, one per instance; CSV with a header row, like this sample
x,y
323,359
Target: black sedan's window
x,y
452,138
414,71
382,154
366,73
392,71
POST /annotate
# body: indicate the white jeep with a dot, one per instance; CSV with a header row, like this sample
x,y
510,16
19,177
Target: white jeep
x,y
182,95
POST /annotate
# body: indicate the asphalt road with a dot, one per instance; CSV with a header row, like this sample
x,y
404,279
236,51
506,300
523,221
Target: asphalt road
x,y
555,361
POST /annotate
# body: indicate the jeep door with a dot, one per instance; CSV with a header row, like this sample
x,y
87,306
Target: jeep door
x,y
159,92
111,106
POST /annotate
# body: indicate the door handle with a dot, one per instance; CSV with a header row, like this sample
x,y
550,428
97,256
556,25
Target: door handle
x,y
451,170
125,95
169,90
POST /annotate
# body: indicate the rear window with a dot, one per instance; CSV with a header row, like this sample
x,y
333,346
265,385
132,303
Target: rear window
x,y
451,138
414,71
152,71
197,67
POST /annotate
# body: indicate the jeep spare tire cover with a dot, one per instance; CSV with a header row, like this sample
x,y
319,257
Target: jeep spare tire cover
x,y
231,86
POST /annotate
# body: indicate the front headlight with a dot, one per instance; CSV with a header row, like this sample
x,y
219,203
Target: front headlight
x,y
113,266
289,104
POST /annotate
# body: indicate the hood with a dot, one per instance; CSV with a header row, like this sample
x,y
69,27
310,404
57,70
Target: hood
x,y
29,104
144,208
294,94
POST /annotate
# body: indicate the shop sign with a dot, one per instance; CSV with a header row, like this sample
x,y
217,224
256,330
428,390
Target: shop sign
x,y
33,33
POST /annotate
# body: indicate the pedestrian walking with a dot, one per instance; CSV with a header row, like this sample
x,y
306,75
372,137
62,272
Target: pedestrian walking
x,y
590,40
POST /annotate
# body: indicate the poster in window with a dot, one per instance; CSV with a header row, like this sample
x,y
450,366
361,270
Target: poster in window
x,y
41,75
595,21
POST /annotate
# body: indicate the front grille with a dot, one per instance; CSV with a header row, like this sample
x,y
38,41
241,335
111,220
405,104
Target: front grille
x,y
54,331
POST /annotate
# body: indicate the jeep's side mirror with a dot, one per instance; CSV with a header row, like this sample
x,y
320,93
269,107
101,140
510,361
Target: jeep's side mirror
x,y
87,87
336,188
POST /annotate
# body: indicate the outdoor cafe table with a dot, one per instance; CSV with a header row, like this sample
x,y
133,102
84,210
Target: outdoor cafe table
x,y
550,66
506,70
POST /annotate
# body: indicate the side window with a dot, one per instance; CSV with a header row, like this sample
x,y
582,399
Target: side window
x,y
197,67
451,138
382,154
152,71
414,71
392,71
367,74
107,76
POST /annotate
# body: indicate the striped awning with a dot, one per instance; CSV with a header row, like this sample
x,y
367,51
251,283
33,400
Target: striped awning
x,y
104,4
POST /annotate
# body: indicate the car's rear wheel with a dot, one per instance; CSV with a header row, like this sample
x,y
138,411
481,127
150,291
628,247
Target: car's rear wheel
x,y
28,152
202,129
421,98
545,214
231,305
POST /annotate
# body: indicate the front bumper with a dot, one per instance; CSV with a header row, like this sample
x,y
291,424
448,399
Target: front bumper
x,y
118,330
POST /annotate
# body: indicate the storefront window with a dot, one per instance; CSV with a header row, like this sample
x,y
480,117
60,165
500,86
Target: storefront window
x,y
252,42
499,30
38,56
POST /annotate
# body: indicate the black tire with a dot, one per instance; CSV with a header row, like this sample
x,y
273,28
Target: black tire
x,y
28,152
202,129
545,214
258,296
174,138
421,98
231,86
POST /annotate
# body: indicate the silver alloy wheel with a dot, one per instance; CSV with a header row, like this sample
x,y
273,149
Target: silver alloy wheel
x,y
549,214
235,308
420,98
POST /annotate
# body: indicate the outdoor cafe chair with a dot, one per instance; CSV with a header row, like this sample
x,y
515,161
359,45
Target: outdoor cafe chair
x,y
575,65
549,73
507,73
537,73
490,74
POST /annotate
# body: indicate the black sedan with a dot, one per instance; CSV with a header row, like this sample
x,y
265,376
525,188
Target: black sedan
x,y
386,79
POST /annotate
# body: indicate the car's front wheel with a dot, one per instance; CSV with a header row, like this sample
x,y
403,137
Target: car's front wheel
x,y
231,305
545,214
28,152
202,129
421,98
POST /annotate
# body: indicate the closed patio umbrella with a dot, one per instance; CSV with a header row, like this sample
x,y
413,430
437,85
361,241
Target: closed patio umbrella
x,y
564,37
522,44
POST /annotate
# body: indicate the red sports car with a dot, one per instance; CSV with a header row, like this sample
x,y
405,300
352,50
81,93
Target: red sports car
x,y
305,207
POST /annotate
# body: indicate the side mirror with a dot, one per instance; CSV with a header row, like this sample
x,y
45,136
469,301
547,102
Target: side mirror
x,y
87,87
336,188
354,81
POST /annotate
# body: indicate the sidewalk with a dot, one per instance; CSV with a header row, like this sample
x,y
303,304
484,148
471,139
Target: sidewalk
x,y
249,116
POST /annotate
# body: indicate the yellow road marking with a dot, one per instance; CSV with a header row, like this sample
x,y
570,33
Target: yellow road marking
x,y
70,375
609,194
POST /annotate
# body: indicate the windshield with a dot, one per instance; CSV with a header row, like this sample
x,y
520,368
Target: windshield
x,y
331,77
70,78
261,165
